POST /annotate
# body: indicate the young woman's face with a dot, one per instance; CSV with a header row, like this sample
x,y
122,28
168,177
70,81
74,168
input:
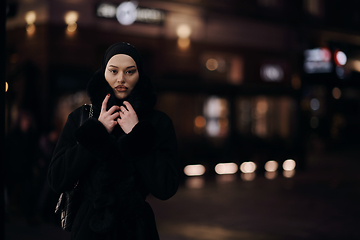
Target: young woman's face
x,y
122,75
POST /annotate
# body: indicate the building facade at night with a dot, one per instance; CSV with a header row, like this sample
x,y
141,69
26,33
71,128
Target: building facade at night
x,y
242,80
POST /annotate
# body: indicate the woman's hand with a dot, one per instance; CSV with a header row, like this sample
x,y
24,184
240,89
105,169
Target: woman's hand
x,y
128,118
107,118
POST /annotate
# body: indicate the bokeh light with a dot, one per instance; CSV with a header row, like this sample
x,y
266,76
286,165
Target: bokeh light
x,y
71,17
30,17
248,167
194,170
226,168
200,121
314,104
289,165
212,64
6,86
340,58
336,92
183,31
271,166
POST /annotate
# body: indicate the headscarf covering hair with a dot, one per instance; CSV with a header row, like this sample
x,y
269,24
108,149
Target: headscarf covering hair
x,y
142,97
122,48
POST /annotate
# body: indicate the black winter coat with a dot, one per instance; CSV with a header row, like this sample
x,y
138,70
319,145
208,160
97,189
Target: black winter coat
x,y
116,171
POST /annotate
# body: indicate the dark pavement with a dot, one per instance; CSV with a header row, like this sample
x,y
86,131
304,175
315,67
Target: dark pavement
x,y
322,202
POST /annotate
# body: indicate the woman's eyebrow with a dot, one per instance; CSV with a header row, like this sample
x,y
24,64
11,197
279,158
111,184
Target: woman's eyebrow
x,y
113,66
131,67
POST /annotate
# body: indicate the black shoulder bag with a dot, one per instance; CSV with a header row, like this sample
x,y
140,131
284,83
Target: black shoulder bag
x,y
69,201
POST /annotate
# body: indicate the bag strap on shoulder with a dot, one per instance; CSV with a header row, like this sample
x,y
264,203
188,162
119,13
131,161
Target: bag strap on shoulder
x,y
87,112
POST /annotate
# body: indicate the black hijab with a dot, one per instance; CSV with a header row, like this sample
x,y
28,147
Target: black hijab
x,y
142,97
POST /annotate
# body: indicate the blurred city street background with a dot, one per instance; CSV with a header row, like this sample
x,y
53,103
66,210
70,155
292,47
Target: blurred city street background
x,y
264,96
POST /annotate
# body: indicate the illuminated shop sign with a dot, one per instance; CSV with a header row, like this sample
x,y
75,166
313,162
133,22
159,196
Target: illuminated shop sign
x,y
128,12
317,60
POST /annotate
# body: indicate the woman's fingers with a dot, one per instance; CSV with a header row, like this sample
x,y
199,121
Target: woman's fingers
x,y
122,109
128,106
104,103
113,109
128,117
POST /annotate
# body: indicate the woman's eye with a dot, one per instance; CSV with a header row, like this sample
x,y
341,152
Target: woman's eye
x,y
131,71
113,71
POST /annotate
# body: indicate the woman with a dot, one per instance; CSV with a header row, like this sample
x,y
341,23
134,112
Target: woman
x,y
120,155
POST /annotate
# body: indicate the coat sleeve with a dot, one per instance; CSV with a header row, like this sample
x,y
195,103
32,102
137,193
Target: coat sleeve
x,y
152,146
70,158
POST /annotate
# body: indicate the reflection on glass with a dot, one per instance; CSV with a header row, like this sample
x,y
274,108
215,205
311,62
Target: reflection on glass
x,y
289,174
271,175
195,182
183,43
30,29
248,176
225,178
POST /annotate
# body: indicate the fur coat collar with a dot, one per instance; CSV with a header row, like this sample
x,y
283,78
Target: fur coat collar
x,y
142,98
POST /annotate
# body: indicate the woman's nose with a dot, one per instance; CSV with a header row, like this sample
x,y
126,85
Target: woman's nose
x,y
121,78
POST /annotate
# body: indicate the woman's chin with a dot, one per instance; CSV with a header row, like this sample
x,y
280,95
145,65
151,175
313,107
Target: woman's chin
x,y
121,96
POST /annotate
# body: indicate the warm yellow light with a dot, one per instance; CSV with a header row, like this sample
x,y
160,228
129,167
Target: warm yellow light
x,y
183,43
194,170
6,86
356,65
248,167
71,17
226,168
271,166
30,17
71,27
200,121
336,92
289,174
30,29
212,64
183,31
289,165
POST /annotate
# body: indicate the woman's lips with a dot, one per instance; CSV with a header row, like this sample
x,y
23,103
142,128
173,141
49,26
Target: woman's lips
x,y
121,88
